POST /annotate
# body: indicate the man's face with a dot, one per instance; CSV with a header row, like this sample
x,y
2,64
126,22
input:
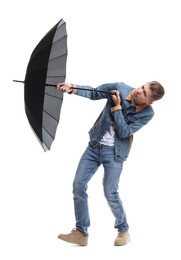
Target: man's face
x,y
142,95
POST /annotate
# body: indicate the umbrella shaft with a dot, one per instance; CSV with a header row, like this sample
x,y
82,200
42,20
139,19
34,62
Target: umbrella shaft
x,y
88,89
99,91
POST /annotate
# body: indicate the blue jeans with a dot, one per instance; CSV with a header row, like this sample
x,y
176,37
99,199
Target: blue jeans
x,y
91,159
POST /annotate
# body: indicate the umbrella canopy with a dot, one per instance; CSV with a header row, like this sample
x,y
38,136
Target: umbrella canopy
x,y
46,67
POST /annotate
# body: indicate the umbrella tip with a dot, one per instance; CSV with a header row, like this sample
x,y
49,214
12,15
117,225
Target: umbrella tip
x,y
20,81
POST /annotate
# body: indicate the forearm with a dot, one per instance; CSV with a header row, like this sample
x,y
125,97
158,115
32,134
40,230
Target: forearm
x,y
122,127
100,92
90,92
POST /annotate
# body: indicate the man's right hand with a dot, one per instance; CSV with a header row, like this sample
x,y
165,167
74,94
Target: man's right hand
x,y
65,87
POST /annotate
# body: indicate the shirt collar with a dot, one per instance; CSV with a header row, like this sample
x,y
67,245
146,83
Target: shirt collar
x,y
138,107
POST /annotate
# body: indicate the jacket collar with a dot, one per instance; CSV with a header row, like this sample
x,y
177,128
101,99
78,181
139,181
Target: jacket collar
x,y
138,107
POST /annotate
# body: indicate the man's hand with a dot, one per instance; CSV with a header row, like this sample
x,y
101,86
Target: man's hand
x,y
116,98
117,101
65,87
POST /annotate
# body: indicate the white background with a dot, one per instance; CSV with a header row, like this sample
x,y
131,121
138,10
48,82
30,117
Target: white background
x,y
108,41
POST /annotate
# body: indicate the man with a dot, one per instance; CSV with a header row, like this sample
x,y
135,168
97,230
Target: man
x,y
126,111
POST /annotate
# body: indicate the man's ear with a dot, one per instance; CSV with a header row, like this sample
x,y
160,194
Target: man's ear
x,y
149,102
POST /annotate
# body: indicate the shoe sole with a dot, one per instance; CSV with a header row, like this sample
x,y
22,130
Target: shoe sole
x,y
122,244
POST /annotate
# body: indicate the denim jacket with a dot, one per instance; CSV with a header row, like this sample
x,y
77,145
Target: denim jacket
x,y
126,121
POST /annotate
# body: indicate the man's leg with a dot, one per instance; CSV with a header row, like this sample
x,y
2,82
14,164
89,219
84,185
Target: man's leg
x,y
112,172
88,165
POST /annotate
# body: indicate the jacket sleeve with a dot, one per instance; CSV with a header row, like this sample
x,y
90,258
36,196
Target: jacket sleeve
x,y
92,93
125,129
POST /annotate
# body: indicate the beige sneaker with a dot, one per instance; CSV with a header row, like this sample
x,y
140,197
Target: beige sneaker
x,y
75,237
122,239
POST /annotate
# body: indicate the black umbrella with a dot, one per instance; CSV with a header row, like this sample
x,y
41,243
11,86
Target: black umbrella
x,y
46,67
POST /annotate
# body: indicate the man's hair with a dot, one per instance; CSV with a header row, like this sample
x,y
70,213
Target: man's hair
x,y
157,90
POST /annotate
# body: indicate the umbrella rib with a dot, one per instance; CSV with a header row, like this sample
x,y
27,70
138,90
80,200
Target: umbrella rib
x,y
45,128
48,133
53,96
58,56
61,24
51,115
52,77
59,39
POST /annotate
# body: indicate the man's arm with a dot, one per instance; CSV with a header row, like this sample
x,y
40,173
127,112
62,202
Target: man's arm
x,y
125,129
100,92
